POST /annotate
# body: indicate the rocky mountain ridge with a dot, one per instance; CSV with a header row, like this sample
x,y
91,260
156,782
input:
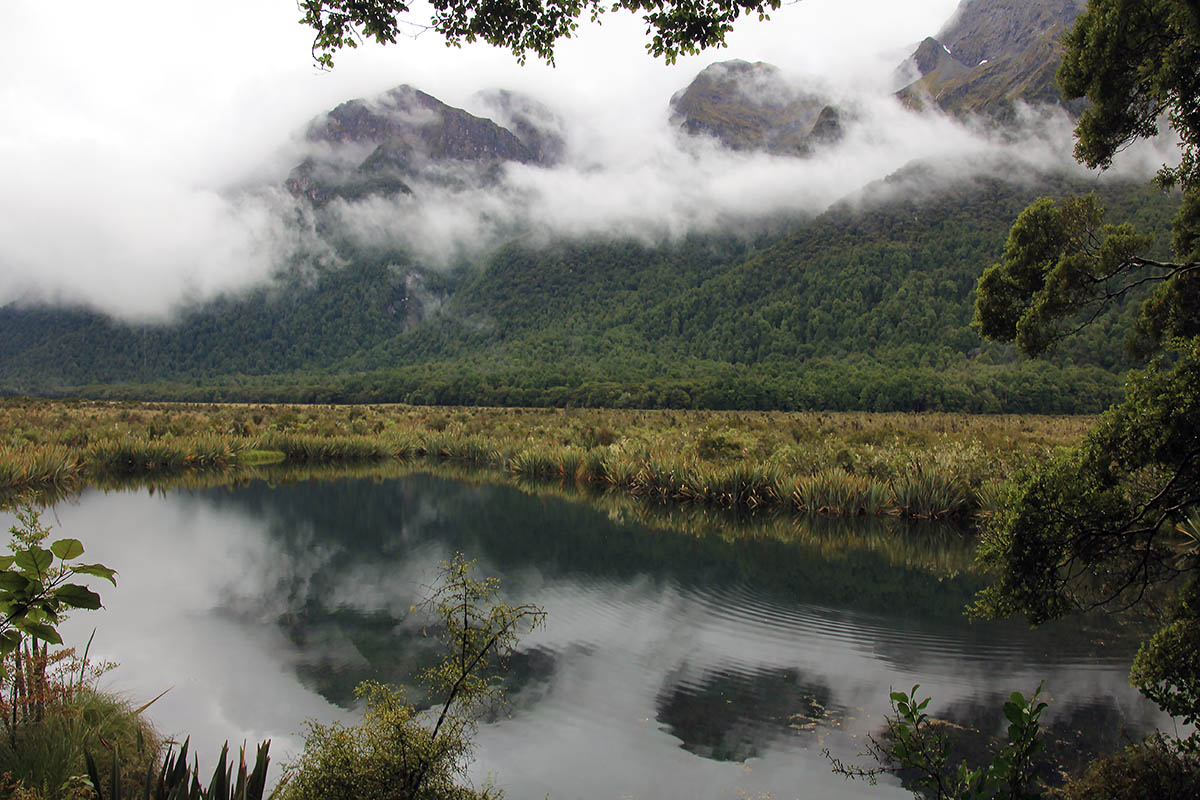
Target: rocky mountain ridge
x,y
384,145
991,55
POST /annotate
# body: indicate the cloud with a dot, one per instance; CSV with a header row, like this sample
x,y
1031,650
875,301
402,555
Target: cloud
x,y
143,165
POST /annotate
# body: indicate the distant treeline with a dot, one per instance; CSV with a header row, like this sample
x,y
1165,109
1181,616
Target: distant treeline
x,y
1019,388
867,307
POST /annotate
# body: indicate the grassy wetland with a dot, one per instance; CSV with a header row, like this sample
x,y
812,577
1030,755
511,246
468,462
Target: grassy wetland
x,y
921,466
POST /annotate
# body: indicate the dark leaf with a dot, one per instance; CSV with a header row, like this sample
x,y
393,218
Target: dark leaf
x,y
77,596
96,570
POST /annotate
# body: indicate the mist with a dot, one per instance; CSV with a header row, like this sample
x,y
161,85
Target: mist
x,y
146,165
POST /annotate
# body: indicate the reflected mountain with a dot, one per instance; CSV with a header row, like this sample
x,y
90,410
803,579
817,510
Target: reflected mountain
x,y
732,714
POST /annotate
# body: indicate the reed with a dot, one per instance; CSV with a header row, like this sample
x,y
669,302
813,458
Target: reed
x,y
435,445
989,498
622,469
471,449
831,463
568,459
747,485
658,479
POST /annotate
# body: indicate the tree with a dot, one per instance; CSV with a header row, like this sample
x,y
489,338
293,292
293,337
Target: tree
x,y
1113,522
676,27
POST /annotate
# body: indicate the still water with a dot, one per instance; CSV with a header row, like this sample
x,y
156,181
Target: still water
x,y
683,657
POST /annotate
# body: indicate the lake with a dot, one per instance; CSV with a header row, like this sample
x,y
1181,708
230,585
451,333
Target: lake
x,y
687,654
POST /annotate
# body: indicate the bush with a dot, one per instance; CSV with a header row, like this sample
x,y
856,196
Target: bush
x,y
1148,771
389,755
400,752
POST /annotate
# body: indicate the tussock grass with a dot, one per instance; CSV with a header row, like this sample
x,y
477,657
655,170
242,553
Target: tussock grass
x,y
929,493
533,463
839,464
38,465
309,448
838,493
53,714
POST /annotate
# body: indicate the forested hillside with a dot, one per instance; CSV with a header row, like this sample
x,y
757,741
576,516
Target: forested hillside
x,y
866,306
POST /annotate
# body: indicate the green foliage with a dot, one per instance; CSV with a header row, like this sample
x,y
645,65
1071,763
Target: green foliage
x,y
35,590
1136,61
53,715
1167,667
1100,525
865,307
915,745
177,780
1094,526
677,28
399,751
1152,770
1059,268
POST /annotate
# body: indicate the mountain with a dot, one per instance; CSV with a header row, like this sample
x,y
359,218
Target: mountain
x,y
991,55
748,106
534,123
866,305
405,137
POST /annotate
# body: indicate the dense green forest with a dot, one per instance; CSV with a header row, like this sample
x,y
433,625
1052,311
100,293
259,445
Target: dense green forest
x,y
867,306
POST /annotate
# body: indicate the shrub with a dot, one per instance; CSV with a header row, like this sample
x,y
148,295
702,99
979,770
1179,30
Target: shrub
x,y
1148,771
398,751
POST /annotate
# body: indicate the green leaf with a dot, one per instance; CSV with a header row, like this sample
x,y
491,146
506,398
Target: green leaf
x,y
77,596
40,630
96,570
67,549
6,562
36,560
13,581
9,641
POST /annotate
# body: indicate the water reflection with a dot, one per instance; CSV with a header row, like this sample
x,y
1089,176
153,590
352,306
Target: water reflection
x,y
735,714
703,654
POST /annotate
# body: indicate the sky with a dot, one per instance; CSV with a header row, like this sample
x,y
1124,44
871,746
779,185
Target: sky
x,y
147,140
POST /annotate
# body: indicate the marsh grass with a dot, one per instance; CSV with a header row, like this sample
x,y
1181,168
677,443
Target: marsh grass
x,y
38,465
824,463
53,715
533,463
131,454
837,493
929,493
314,448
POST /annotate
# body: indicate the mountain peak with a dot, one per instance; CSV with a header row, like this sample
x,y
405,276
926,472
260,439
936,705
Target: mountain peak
x,y
991,55
385,144
750,106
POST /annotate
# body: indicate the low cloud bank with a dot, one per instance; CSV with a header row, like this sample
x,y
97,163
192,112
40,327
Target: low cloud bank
x,y
135,189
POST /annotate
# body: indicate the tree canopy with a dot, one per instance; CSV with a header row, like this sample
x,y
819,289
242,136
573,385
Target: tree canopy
x,y
1118,519
675,27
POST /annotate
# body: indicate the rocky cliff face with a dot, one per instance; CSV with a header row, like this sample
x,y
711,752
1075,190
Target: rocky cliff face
x,y
537,126
990,29
749,106
991,55
404,137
